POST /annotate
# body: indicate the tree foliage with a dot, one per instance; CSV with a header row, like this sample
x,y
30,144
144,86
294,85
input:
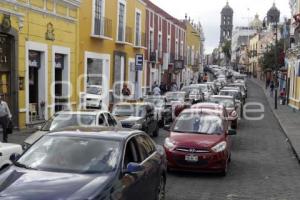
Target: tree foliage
x,y
267,61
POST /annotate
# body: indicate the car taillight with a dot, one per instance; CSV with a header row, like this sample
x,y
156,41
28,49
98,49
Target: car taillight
x,y
233,114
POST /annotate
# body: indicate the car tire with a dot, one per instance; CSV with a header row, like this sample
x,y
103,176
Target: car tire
x,y
235,124
155,133
225,170
161,190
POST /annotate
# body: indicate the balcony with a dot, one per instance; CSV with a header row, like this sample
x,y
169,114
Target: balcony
x,y
102,28
140,41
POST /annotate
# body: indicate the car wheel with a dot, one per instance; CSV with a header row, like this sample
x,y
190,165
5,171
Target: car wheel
x,y
161,193
155,133
225,170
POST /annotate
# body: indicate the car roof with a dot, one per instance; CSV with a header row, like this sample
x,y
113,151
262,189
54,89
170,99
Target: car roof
x,y
179,92
90,112
139,103
222,96
203,111
208,105
96,132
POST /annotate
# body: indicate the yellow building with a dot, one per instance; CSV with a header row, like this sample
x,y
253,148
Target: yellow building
x,y
254,48
112,33
39,47
193,51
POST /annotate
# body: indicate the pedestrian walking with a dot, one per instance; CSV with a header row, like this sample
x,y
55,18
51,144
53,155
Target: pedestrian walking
x,y
174,87
205,78
267,83
126,91
156,91
5,117
282,96
163,88
272,86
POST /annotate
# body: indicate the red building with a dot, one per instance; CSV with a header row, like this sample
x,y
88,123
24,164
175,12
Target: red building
x,y
166,38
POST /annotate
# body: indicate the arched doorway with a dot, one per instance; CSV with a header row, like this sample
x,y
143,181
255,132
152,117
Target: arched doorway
x,y
8,73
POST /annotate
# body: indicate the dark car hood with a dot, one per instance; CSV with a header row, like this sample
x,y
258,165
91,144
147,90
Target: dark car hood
x,y
17,183
195,140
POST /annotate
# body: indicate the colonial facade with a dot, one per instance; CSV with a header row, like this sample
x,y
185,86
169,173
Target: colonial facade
x,y
193,51
293,57
38,57
112,33
166,42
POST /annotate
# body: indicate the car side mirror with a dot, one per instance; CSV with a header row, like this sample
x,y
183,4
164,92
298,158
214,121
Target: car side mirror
x,y
134,168
231,132
14,157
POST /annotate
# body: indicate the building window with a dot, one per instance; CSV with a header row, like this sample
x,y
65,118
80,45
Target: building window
x,y
121,22
176,49
160,45
181,49
138,28
151,41
99,17
169,45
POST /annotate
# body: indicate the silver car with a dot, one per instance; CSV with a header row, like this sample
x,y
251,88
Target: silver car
x,y
73,118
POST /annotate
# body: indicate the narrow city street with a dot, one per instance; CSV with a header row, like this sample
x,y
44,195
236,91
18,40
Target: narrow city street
x,y
263,166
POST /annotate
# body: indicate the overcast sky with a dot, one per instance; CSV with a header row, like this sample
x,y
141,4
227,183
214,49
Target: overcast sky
x,y
208,13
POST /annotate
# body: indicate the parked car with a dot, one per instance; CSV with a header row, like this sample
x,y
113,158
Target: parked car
x,y
231,107
206,89
178,102
237,98
73,118
212,106
199,141
6,150
163,111
92,98
88,163
137,115
194,94
242,87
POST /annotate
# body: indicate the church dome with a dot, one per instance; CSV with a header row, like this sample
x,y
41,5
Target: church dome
x,y
227,9
273,14
256,22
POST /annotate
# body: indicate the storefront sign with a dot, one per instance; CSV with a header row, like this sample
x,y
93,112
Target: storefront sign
x,y
34,59
59,61
4,51
178,65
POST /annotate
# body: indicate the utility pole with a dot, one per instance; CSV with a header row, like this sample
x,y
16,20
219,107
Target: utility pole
x,y
276,65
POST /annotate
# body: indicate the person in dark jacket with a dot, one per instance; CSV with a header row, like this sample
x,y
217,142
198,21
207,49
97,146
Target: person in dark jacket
x,y
5,116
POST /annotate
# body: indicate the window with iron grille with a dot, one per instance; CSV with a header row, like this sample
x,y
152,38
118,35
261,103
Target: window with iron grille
x,y
121,28
98,23
138,29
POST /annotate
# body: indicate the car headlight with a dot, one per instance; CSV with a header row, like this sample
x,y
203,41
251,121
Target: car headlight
x,y
169,144
233,114
219,147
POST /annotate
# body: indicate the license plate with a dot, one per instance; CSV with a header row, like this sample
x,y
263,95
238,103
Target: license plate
x,y
191,158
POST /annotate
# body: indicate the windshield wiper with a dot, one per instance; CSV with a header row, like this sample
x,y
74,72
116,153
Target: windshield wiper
x,y
22,165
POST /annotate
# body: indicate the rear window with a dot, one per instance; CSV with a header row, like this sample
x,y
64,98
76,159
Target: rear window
x,y
198,124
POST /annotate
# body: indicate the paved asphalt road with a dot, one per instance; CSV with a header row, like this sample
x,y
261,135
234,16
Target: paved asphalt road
x,y
263,166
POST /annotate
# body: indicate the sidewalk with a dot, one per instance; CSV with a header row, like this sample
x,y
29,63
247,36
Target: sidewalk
x,y
288,118
19,136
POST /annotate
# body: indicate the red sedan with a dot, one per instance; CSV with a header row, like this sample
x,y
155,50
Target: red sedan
x,y
199,141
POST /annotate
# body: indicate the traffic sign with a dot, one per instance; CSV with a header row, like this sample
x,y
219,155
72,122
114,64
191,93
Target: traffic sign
x,y
139,61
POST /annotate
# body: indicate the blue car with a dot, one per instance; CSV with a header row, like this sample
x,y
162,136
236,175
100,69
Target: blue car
x,y
87,164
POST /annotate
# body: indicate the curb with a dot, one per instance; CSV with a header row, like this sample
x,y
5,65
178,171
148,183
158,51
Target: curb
x,y
279,122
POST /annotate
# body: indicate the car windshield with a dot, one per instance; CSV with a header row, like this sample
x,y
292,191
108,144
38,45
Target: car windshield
x,y
204,88
156,102
190,90
72,155
130,110
93,90
198,124
64,120
230,93
228,103
174,96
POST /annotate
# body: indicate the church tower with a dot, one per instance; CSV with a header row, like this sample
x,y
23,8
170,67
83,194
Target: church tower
x,y
226,23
